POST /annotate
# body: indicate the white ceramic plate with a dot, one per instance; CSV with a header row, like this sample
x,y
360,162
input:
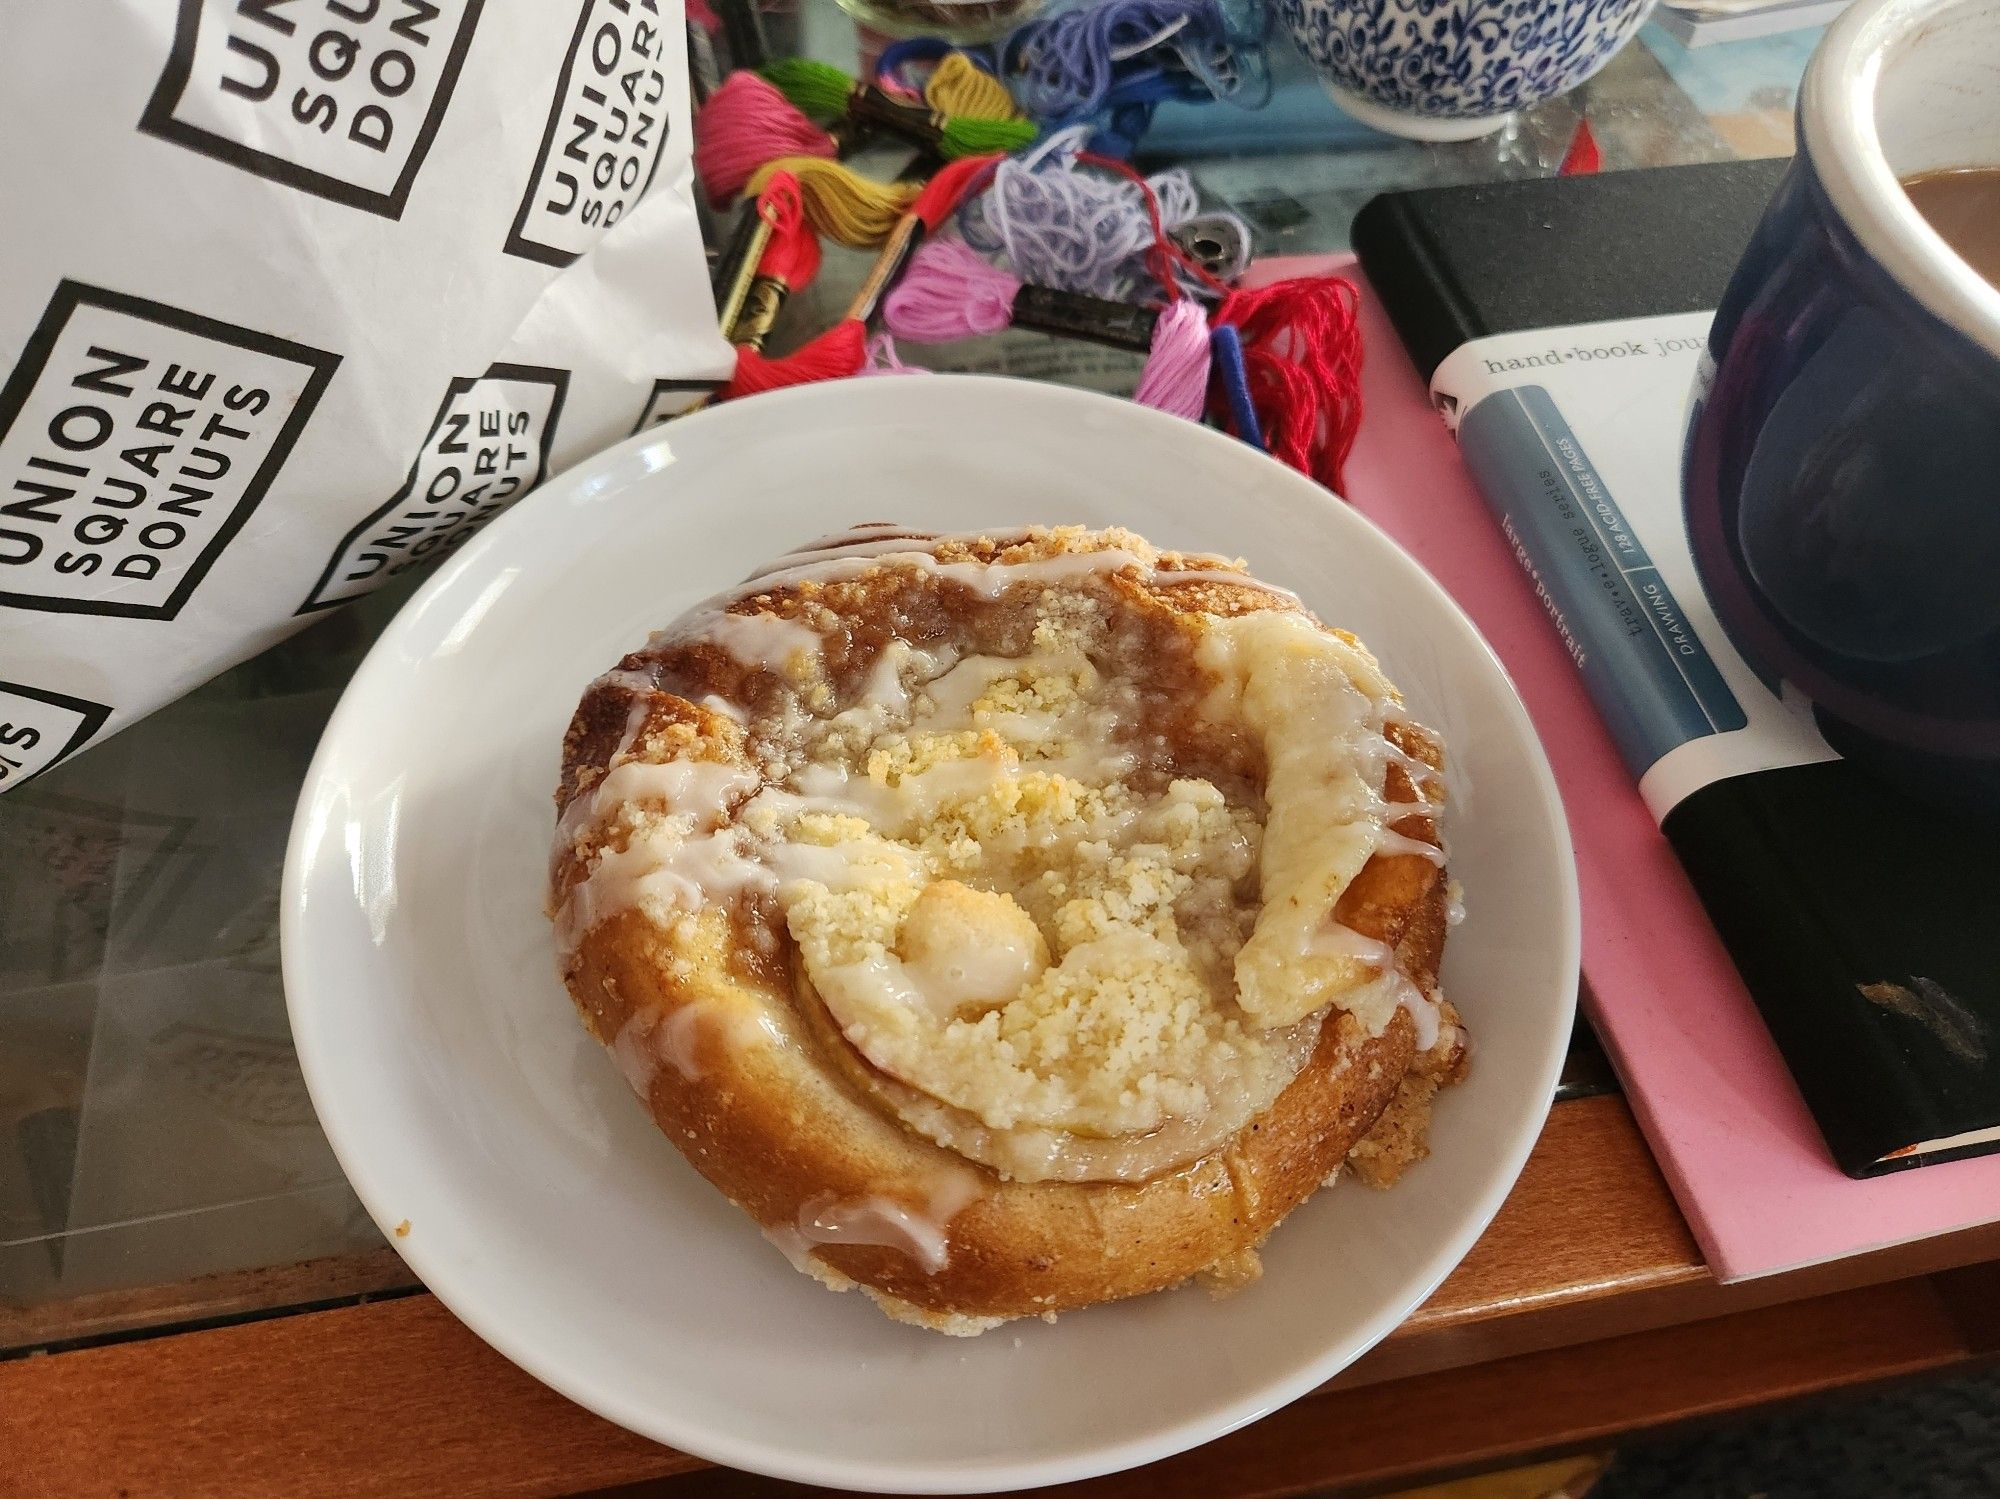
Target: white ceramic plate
x,y
546,1211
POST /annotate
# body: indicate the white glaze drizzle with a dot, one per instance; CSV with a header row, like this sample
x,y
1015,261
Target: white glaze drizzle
x,y
923,1233
847,544
987,580
669,865
885,691
635,724
901,545
633,681
761,642
1337,940
649,1040
632,1050
1426,1012
1171,575
794,1246
1393,843
677,1039
1419,771
1334,939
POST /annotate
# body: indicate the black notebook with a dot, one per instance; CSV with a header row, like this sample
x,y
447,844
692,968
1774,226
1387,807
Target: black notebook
x,y
1559,322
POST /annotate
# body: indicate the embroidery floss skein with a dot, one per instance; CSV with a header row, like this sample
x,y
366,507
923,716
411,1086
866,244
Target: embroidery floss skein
x,y
900,66
825,92
1060,222
835,353
960,80
745,123
843,205
1301,343
842,349
1064,67
959,86
949,293
1300,347
1226,357
789,262
948,188
1175,379
1127,112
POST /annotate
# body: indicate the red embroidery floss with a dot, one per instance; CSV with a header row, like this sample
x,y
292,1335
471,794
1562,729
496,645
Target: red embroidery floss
x,y
842,349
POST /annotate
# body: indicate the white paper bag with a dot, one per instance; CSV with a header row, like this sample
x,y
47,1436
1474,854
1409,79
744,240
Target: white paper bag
x,y
298,294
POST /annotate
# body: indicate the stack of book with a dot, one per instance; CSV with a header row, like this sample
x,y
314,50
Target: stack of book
x,y
1786,959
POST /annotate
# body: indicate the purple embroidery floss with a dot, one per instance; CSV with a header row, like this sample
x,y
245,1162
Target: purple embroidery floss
x,y
1060,223
1064,67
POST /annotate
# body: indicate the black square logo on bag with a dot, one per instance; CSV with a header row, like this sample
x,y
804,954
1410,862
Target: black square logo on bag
x,y
488,447
135,439
38,728
669,398
604,134
340,98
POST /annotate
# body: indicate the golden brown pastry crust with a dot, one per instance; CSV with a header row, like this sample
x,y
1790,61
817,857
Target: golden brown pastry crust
x,y
777,1125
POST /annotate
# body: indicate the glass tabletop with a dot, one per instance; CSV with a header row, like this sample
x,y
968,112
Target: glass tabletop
x,y
160,1166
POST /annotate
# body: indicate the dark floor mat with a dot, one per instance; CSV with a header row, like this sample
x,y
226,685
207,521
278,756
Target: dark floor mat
x,y
1916,1441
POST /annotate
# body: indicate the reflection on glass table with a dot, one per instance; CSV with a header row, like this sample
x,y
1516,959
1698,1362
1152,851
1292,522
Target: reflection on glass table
x,y
154,1128
159,1159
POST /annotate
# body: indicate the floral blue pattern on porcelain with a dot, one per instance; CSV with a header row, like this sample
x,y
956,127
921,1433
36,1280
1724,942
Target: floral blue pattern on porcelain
x,y
1460,59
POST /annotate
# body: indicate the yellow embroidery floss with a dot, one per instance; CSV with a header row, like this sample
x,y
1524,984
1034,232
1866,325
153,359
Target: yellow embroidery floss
x,y
843,205
959,86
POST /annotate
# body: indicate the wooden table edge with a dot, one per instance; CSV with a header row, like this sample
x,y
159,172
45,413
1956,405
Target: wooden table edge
x,y
1587,1260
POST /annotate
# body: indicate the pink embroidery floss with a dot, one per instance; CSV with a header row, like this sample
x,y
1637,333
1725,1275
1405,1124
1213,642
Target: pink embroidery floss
x,y
744,124
949,293
883,359
1175,379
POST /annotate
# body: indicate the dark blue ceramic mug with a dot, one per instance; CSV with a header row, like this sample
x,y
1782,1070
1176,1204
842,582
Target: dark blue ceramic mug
x,y
1842,476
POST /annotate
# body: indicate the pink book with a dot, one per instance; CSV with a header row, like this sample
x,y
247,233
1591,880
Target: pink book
x,y
1701,1073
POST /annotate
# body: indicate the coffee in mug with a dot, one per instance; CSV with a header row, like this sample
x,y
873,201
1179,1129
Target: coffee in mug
x,y
1963,205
